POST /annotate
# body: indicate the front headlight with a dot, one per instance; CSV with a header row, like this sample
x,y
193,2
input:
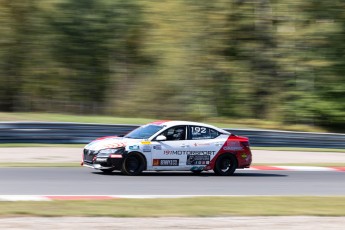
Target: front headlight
x,y
107,152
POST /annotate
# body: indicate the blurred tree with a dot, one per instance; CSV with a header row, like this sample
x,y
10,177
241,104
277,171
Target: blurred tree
x,y
311,35
166,89
265,59
91,36
16,23
237,57
327,59
252,41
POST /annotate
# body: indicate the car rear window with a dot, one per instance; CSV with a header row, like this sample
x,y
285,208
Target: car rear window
x,y
200,132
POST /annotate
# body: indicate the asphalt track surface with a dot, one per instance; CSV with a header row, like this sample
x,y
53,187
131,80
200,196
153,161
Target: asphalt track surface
x,y
86,181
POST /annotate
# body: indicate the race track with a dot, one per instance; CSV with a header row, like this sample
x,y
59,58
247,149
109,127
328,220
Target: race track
x,y
85,181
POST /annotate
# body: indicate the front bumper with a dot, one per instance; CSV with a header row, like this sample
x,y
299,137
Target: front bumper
x,y
91,160
115,164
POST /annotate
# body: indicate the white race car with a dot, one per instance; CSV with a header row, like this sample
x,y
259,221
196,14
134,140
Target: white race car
x,y
170,146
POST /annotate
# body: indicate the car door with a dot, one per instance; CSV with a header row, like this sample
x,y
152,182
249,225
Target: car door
x,y
204,144
170,154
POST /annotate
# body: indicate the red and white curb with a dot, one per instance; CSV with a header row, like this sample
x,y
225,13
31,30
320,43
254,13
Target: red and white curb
x,y
298,168
114,197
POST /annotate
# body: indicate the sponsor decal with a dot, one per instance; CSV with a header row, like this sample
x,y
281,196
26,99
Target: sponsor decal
x,y
208,153
244,155
233,145
101,160
157,147
146,148
198,159
134,147
115,156
165,162
146,142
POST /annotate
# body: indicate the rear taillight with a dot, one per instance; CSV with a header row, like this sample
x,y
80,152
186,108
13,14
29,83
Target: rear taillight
x,y
245,144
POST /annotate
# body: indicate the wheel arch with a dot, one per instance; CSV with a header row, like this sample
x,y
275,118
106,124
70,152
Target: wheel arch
x,y
227,153
140,154
215,158
230,167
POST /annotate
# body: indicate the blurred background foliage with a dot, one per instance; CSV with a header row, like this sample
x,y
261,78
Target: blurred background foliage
x,y
276,60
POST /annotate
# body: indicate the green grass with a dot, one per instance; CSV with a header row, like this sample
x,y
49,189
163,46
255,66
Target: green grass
x,y
261,124
183,207
55,117
298,149
219,121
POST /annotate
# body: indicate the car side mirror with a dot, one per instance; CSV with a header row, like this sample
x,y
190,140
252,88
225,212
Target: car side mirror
x,y
161,138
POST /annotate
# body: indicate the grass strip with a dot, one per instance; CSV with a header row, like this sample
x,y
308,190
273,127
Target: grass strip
x,y
183,207
57,117
221,122
299,149
77,164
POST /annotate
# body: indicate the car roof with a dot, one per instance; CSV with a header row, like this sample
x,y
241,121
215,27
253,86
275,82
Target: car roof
x,y
174,123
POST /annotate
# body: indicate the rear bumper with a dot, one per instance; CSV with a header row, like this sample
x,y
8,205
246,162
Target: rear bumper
x,y
244,158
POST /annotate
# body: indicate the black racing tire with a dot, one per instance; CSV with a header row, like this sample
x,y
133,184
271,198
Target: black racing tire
x,y
133,164
107,171
225,165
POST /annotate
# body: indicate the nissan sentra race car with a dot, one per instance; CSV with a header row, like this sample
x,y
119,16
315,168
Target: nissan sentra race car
x,y
170,146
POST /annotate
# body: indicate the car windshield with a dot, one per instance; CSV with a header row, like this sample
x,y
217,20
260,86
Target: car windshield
x,y
144,132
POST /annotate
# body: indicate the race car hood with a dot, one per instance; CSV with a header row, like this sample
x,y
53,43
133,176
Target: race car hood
x,y
110,142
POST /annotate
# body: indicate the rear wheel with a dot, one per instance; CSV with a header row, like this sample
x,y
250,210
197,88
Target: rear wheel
x,y
133,165
225,165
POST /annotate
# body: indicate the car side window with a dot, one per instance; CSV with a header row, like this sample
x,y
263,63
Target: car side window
x,y
200,132
175,133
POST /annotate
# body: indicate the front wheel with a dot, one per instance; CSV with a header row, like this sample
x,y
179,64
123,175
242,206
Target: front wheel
x,y
133,165
225,165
